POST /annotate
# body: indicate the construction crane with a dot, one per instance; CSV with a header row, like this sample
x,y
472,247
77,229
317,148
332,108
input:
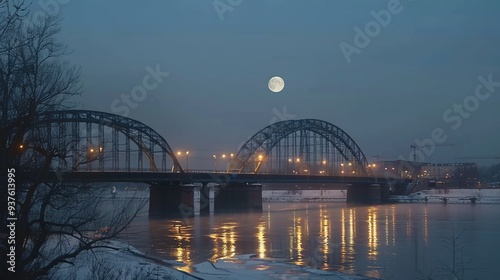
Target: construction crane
x,y
414,147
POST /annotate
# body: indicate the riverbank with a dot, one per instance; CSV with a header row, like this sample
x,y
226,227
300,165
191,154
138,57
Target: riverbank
x,y
479,196
121,261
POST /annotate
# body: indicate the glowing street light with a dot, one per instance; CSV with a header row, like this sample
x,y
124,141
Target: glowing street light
x,y
187,158
260,157
215,162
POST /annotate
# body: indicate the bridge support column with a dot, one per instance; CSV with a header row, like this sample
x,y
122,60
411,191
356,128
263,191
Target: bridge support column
x,y
211,199
239,197
167,200
364,193
196,200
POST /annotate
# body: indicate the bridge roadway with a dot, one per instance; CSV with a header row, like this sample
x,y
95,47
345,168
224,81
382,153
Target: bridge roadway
x,y
158,178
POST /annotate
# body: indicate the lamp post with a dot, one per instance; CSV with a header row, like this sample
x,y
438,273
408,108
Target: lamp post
x,y
215,162
187,158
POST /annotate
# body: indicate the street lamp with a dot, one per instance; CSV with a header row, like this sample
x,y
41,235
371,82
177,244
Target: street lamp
x,y
187,158
215,162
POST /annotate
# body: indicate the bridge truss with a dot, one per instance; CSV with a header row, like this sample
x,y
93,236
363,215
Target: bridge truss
x,y
307,146
98,141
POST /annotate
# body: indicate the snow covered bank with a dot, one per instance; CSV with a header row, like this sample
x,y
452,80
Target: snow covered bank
x,y
125,262
304,195
117,261
245,267
479,196
433,196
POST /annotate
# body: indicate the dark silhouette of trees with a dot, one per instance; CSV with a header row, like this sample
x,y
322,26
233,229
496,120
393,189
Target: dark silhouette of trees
x,y
55,221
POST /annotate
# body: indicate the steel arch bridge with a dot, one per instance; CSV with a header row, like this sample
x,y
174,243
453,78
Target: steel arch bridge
x,y
114,142
307,146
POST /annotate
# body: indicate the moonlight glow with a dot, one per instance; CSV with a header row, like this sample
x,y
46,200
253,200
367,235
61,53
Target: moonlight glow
x,y
276,84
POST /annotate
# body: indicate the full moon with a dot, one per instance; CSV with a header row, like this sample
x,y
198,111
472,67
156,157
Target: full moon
x,y
276,84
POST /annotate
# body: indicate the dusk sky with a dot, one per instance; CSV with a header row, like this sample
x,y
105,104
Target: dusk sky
x,y
395,89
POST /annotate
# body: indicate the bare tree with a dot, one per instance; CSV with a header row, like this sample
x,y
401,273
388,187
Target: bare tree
x,y
55,221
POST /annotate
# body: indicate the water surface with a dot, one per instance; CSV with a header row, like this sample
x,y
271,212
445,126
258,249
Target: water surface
x,y
402,241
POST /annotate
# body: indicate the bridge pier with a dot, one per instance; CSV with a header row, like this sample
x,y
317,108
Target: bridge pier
x,y
367,193
174,200
211,199
238,197
188,201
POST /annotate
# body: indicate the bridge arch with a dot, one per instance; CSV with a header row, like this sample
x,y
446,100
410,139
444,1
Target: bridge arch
x,y
114,140
307,146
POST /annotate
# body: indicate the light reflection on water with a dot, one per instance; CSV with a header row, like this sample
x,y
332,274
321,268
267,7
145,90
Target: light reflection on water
x,y
397,240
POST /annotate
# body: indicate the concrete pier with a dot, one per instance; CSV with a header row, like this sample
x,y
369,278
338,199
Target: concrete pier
x,y
173,200
188,201
240,197
367,193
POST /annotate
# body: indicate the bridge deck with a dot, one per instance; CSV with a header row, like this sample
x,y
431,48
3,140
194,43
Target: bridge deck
x,y
221,178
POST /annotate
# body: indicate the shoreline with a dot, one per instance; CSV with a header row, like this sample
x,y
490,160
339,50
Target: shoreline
x,y
126,262
452,196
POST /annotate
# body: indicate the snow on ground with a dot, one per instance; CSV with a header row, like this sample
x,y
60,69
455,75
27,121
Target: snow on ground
x,y
479,196
304,195
244,267
128,263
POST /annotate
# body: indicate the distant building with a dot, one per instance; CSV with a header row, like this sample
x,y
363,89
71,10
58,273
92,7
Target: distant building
x,y
457,174
447,175
400,168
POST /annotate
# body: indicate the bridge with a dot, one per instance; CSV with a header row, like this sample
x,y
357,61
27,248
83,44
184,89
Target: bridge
x,y
102,147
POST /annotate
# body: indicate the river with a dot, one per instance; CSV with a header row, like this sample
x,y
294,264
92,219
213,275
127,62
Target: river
x,y
396,241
